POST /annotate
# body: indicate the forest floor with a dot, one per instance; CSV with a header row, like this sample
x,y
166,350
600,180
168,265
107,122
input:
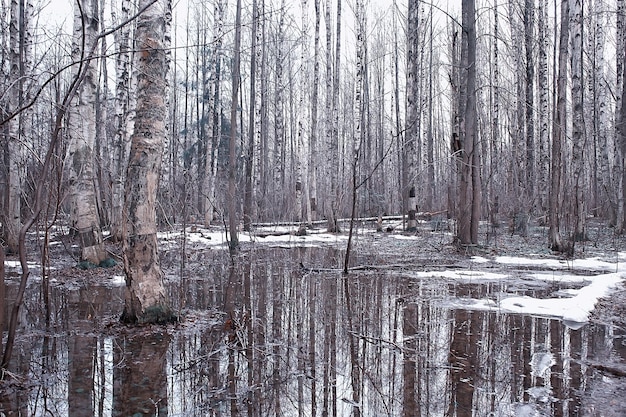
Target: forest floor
x,y
604,397
431,246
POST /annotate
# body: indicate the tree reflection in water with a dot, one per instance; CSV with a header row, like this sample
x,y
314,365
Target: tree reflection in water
x,y
266,337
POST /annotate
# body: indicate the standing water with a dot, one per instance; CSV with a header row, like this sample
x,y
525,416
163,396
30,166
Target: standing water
x,y
270,336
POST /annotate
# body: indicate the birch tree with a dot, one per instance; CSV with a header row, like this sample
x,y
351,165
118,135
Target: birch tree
x,y
145,298
213,125
578,121
544,113
82,137
124,111
558,134
232,147
313,156
410,149
469,180
332,130
620,57
529,41
19,38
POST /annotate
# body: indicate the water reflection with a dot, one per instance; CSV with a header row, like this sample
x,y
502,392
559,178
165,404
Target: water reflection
x,y
265,337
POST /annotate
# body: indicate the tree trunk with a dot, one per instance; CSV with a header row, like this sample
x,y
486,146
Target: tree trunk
x,y
410,149
619,153
578,125
232,148
558,134
469,180
251,169
18,30
313,154
146,300
604,179
544,112
529,41
82,131
621,142
279,118
124,117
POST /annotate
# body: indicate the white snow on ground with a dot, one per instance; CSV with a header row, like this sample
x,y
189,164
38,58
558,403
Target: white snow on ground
x,y
16,264
460,274
575,308
275,236
571,305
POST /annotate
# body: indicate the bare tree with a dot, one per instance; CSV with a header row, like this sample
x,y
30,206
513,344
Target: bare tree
x,y
18,54
578,121
544,112
124,112
469,180
146,300
82,134
558,134
232,151
411,148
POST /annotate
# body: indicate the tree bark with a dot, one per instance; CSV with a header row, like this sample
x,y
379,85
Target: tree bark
x,y
232,148
82,131
558,134
469,181
578,121
529,41
145,299
18,32
544,112
410,150
124,117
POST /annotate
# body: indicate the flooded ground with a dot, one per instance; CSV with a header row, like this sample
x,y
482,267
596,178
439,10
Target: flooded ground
x,y
279,331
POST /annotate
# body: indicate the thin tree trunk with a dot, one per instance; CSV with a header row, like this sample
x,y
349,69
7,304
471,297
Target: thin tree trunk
x,y
330,205
529,41
620,222
544,113
279,118
469,181
558,133
249,200
313,154
578,125
232,149
82,131
15,142
604,179
124,115
410,149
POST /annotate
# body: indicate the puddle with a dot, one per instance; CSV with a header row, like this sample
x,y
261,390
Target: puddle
x,y
270,338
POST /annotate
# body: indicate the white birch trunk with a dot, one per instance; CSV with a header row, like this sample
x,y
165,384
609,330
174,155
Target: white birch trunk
x,y
578,125
413,118
18,27
279,109
301,190
558,134
601,92
620,140
124,117
82,131
331,148
145,298
213,118
544,109
313,154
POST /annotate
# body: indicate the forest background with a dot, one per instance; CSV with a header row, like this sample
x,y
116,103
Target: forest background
x,y
279,111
